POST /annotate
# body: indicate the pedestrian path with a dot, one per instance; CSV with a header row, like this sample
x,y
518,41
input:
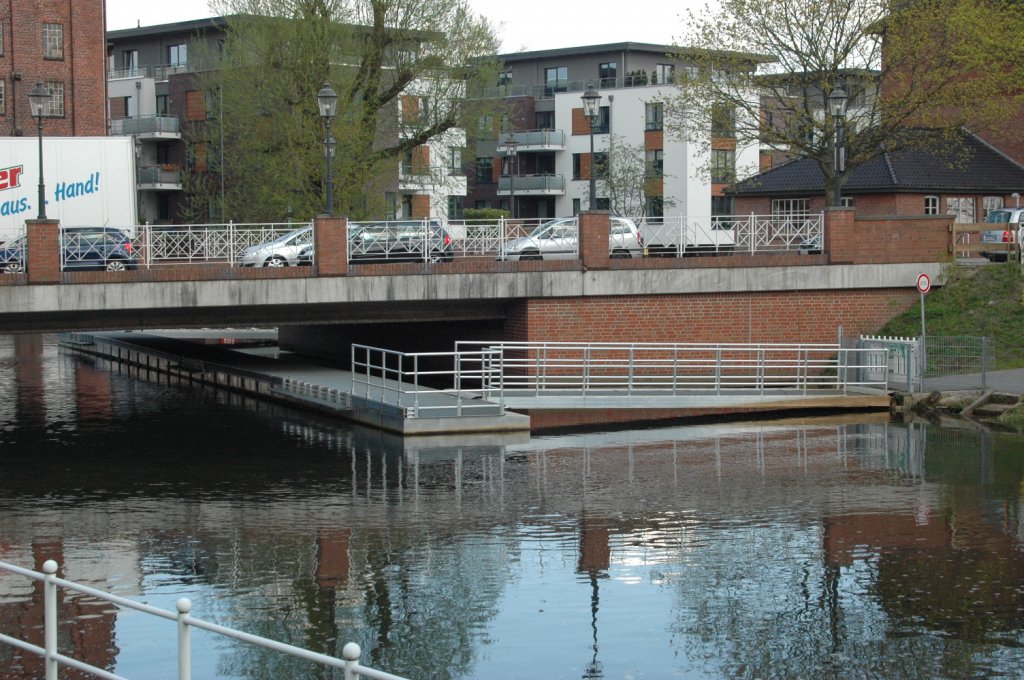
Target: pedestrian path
x,y
1010,381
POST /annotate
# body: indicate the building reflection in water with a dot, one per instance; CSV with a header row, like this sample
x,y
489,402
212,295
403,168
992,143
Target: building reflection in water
x,y
771,546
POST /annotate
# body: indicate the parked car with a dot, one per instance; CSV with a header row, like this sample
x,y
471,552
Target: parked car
x,y
305,257
283,251
400,241
1011,220
681,237
558,239
82,248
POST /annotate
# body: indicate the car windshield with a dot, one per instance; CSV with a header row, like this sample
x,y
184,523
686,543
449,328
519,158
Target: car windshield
x,y
998,217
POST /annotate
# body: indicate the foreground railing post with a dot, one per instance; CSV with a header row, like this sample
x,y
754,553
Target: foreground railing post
x,y
350,652
50,618
184,606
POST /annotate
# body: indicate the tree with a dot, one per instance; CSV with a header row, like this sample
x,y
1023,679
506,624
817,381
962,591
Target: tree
x,y
628,177
401,69
939,64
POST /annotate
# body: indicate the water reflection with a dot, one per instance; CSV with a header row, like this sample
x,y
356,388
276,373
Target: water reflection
x,y
842,549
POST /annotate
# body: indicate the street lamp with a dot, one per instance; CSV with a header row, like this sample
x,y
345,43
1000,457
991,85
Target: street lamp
x,y
837,105
39,98
512,150
591,99
327,99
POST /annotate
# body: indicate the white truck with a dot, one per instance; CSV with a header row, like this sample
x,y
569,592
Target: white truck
x,y
89,182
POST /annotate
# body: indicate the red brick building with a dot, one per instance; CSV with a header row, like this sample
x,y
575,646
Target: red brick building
x,y
964,177
62,44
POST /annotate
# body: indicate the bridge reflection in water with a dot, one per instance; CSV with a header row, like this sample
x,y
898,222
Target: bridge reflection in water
x,y
783,548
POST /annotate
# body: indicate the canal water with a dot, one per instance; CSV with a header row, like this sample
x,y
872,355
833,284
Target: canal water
x,y
846,548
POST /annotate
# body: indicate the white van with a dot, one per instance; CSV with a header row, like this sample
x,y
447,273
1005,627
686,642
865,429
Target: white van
x,y
1005,239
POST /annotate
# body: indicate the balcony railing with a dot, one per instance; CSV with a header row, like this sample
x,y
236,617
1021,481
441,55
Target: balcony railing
x,y
534,140
145,125
168,177
532,184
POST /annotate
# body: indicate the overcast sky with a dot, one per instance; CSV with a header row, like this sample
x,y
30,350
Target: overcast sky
x,y
523,24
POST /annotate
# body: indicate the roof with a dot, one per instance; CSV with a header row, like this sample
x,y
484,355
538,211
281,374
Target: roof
x,y
969,165
649,48
192,26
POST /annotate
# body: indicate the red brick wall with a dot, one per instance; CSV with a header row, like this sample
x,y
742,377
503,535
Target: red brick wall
x,y
82,69
873,241
811,316
43,264
331,246
594,231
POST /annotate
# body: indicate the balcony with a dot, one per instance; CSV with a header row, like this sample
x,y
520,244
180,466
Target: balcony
x,y
159,178
532,185
147,127
534,140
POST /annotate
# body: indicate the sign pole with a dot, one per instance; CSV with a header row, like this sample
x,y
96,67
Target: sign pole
x,y
924,284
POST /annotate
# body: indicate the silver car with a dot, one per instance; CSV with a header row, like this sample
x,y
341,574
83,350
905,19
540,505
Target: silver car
x,y
559,240
1002,241
283,251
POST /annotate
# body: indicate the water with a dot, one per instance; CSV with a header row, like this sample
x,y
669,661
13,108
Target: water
x,y
845,549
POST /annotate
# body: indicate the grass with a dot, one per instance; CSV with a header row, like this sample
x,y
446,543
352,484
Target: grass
x,y
973,301
1013,418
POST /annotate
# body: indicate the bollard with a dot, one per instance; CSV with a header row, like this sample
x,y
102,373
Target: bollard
x,y
50,618
184,606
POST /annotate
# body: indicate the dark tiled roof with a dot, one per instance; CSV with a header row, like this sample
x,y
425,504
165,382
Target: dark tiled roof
x,y
968,165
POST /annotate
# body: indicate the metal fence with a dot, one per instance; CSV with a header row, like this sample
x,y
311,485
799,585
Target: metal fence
x,y
673,369
54,660
950,362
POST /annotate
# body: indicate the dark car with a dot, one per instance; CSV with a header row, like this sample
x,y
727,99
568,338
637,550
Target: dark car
x,y
400,241
82,248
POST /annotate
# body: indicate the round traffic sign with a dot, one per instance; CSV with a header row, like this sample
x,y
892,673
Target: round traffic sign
x,y
924,284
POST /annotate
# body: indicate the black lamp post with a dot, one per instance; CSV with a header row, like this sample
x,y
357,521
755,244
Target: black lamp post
x,y
837,105
512,151
39,98
327,99
591,99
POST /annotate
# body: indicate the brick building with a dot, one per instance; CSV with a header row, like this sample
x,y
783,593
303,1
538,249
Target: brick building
x,y
62,44
967,178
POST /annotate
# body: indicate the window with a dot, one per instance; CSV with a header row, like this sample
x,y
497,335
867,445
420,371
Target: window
x,y
482,204
456,207
962,207
655,115
600,164
177,55
556,80
163,153
455,160
723,166
663,73
791,207
655,163
53,41
55,107
3,98
161,105
129,60
604,203
655,206
604,121
485,125
575,206
545,120
484,170
607,74
990,203
504,78
723,121
931,205
722,205
577,172
845,201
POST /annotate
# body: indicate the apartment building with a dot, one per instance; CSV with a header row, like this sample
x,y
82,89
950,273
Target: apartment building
x,y
154,97
59,43
550,171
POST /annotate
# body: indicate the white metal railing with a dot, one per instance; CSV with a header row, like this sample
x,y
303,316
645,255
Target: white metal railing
x,y
663,368
198,243
417,382
185,622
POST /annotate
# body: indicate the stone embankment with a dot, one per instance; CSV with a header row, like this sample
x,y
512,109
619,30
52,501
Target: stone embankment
x,y
984,406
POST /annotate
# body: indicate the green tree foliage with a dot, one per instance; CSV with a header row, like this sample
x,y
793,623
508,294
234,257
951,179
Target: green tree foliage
x,y
941,64
401,69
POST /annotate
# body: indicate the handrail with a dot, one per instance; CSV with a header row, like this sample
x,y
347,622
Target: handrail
x,y
53,659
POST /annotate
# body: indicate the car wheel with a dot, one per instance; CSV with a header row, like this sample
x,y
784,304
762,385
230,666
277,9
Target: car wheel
x,y
13,267
530,255
116,266
276,261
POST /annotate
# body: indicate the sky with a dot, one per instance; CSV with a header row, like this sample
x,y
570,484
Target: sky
x,y
521,25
